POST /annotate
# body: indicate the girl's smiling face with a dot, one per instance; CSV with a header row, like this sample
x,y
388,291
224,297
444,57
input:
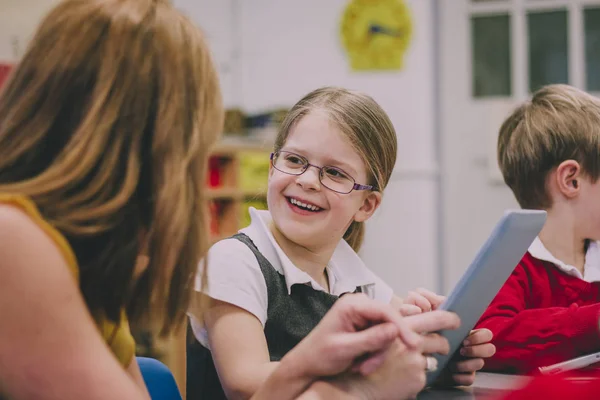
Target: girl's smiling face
x,y
329,214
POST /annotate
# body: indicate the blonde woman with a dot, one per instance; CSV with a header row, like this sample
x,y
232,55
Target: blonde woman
x,y
105,127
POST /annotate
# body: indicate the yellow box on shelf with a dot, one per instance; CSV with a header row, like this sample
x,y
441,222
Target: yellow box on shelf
x,y
254,171
259,204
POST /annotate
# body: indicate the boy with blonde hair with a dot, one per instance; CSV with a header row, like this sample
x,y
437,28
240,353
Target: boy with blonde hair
x,y
548,310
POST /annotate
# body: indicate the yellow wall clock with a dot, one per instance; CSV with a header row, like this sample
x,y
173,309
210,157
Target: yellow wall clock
x,y
376,33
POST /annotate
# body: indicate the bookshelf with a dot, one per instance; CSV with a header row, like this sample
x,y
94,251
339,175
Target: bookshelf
x,y
237,179
238,173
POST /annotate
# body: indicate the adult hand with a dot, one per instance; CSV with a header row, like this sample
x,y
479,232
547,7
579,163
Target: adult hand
x,y
402,374
355,333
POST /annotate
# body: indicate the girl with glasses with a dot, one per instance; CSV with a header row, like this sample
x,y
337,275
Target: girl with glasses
x,y
271,283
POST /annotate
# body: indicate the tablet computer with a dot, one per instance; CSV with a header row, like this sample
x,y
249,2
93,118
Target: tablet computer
x,y
488,272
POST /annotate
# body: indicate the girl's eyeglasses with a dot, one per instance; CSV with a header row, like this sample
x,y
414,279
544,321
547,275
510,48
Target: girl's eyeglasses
x,y
332,178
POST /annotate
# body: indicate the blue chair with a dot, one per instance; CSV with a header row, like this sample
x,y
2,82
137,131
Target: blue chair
x,y
159,379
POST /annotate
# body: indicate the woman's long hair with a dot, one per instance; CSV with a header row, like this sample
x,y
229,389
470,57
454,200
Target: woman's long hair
x,y
106,124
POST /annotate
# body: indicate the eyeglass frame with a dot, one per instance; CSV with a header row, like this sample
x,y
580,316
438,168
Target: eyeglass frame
x,y
355,186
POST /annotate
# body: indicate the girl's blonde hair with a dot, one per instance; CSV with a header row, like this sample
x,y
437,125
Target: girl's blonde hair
x,y
106,125
365,125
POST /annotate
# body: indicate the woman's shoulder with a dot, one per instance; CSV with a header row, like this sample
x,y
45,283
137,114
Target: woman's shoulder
x,y
24,231
23,242
17,212
19,223
22,222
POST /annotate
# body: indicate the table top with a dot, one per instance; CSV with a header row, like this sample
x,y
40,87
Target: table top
x,y
486,386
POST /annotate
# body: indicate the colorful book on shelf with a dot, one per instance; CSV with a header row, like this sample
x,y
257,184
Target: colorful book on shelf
x,y
214,172
214,211
4,72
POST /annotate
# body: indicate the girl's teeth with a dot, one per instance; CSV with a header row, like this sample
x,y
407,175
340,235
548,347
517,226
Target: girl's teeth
x,y
307,206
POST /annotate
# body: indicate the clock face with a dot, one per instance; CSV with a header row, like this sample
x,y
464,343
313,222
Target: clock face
x,y
376,33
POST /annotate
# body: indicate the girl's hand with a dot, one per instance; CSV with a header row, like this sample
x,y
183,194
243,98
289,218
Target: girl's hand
x,y
425,299
461,371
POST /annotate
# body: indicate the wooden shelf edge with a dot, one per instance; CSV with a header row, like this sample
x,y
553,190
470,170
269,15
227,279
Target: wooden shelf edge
x,y
234,194
223,193
235,144
261,194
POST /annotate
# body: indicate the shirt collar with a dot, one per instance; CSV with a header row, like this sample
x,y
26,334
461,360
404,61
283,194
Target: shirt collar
x,y
346,270
591,268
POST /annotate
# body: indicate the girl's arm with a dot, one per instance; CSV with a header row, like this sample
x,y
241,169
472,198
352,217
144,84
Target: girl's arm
x,y
50,347
235,300
239,349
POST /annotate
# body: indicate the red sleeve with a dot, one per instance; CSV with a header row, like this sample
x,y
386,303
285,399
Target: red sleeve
x,y
526,339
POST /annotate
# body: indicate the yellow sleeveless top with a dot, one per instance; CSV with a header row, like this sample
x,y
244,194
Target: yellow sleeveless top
x,y
117,336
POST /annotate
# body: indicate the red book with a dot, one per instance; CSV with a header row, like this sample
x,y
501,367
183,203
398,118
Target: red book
x,y
4,72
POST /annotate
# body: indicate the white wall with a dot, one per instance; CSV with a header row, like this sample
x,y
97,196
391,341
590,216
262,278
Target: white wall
x,y
18,20
220,21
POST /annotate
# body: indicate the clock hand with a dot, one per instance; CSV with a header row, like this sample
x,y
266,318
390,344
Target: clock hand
x,y
375,28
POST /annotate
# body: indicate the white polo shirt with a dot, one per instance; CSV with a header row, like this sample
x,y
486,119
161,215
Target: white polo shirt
x,y
235,277
591,267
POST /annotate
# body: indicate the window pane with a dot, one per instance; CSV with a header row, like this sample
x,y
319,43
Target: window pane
x,y
548,54
491,55
592,48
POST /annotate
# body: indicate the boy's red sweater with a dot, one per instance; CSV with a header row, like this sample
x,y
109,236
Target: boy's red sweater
x,y
541,316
